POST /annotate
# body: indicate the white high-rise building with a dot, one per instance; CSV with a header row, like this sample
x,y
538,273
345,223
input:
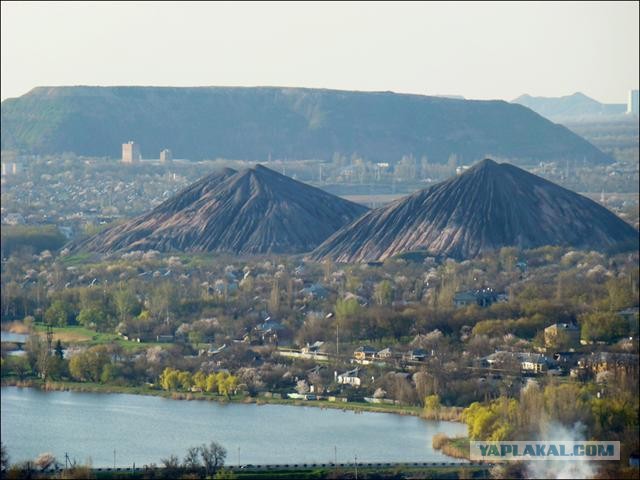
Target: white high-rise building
x,y
10,168
165,156
131,152
632,103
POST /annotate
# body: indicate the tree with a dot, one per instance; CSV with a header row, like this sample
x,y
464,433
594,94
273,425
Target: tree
x,y
92,317
125,302
169,379
4,457
59,351
109,373
274,298
37,355
227,384
347,308
185,380
383,293
302,387
603,326
212,383
171,466
200,381
88,366
432,407
213,457
18,365
58,314
191,460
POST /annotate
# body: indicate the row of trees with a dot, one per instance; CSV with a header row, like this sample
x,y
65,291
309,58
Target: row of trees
x,y
569,407
202,461
222,382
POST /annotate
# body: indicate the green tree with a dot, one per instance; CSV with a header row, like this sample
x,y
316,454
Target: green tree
x,y
383,293
91,317
88,366
200,381
169,379
602,326
347,308
432,407
227,384
185,380
58,314
126,303
110,372
212,383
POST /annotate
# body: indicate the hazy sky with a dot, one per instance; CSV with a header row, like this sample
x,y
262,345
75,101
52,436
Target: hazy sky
x,y
479,50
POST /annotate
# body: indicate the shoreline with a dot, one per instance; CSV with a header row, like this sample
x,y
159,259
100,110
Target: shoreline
x,y
356,407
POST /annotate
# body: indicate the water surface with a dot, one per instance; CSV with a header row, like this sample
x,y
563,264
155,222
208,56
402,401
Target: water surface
x,y
145,429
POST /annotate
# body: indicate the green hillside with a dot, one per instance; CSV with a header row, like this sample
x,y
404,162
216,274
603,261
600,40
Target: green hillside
x,y
255,123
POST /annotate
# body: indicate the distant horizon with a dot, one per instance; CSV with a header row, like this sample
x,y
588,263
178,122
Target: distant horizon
x,y
460,96
480,50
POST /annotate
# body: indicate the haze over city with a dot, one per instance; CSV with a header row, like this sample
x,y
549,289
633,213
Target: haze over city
x,y
426,214
478,50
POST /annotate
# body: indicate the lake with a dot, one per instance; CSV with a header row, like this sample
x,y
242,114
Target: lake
x,y
145,429
12,337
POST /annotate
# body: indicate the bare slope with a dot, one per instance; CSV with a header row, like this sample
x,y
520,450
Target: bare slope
x,y
252,211
488,207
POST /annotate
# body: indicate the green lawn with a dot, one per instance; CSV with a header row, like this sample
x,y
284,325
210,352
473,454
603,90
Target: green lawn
x,y
76,334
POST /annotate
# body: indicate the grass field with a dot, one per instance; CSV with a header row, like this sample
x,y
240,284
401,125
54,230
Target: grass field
x,y
74,335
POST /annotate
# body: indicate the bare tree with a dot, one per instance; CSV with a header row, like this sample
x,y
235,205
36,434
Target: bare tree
x,y
171,466
213,457
4,457
191,460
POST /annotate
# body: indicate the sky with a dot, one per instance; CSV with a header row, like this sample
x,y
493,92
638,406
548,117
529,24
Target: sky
x,y
481,50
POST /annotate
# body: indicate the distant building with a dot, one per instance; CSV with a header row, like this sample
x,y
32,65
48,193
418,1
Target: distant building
x,y
561,334
364,352
10,168
632,103
131,152
165,156
484,297
349,378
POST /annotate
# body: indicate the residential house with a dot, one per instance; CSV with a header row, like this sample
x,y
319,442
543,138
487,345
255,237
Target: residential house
x,y
385,353
313,349
415,355
364,352
314,291
483,297
349,378
533,362
562,334
273,332
609,361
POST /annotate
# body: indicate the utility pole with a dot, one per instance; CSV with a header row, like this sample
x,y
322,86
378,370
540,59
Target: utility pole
x,y
49,337
335,456
356,459
114,458
238,456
